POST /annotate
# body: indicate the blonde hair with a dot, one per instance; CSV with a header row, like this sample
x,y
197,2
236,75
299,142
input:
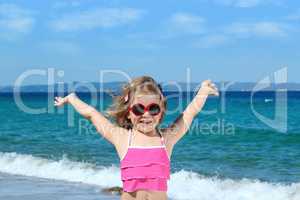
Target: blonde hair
x,y
140,85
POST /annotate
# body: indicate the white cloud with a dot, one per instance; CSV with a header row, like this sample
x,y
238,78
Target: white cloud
x,y
14,20
97,18
239,31
186,23
180,24
248,3
61,47
204,36
66,4
294,16
213,40
260,29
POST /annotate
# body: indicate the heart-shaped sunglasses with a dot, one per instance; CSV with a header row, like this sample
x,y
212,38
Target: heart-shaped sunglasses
x,y
139,109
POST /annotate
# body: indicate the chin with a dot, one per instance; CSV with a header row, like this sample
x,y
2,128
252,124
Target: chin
x,y
146,129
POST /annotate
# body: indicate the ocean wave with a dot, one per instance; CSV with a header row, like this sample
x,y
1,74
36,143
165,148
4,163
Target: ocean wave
x,y
63,169
182,185
204,188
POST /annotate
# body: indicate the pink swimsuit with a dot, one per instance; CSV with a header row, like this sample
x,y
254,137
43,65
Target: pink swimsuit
x,y
145,168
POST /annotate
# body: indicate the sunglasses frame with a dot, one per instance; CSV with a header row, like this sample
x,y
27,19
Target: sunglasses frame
x,y
146,108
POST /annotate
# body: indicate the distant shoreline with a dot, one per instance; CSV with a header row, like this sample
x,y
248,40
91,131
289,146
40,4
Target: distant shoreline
x,y
182,92
95,87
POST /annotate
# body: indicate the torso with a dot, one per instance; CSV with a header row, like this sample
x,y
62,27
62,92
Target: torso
x,y
139,139
122,147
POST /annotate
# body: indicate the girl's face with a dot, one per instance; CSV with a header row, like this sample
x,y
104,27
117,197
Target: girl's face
x,y
145,120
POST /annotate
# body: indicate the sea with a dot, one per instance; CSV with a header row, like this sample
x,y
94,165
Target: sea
x,y
241,146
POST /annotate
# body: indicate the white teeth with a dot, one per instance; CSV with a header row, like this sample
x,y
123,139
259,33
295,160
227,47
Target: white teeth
x,y
146,121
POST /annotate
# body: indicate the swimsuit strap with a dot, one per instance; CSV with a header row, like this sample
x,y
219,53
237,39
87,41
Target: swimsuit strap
x,y
131,132
130,136
161,137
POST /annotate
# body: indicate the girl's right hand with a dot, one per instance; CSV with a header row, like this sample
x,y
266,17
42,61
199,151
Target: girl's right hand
x,y
209,88
60,101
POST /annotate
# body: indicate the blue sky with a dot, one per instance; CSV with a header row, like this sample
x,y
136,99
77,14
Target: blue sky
x,y
232,40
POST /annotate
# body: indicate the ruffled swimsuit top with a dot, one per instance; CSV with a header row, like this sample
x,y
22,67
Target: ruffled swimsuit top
x,y
145,167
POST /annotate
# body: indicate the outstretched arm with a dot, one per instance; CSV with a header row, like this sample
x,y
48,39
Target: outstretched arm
x,y
181,125
107,129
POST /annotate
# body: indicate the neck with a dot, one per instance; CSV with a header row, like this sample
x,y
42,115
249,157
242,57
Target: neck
x,y
152,133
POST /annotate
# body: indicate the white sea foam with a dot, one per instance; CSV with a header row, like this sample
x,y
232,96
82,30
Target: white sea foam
x,y
63,169
182,185
190,185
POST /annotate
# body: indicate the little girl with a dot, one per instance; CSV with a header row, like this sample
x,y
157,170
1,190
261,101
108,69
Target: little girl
x,y
144,150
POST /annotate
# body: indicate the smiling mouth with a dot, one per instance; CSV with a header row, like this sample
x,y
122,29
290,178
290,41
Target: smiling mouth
x,y
146,121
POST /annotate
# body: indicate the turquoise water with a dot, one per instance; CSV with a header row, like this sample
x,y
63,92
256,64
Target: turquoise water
x,y
254,150
239,146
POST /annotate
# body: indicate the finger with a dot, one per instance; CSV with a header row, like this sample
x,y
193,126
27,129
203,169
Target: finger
x,y
213,85
206,83
215,88
57,99
215,92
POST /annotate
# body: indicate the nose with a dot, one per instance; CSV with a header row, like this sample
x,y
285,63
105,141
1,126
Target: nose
x,y
146,114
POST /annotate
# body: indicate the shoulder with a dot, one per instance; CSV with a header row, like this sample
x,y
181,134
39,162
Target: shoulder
x,y
121,136
167,132
168,135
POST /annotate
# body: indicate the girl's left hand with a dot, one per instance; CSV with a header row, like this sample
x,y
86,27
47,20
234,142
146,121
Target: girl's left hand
x,y
209,88
60,101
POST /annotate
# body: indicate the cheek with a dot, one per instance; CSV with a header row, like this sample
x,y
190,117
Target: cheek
x,y
133,118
